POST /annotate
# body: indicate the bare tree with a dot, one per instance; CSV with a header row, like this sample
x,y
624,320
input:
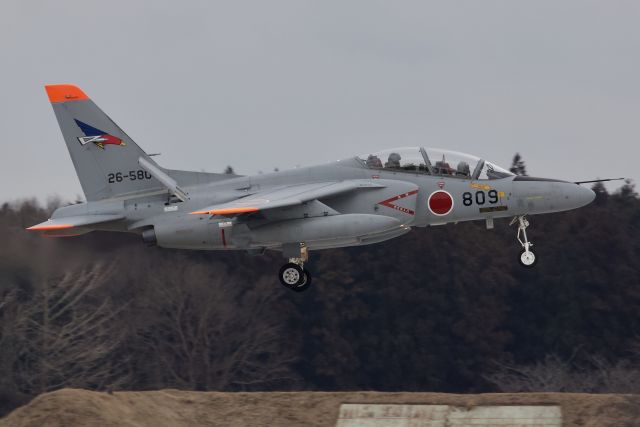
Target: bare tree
x,y
620,377
12,326
212,333
552,374
518,166
63,336
594,375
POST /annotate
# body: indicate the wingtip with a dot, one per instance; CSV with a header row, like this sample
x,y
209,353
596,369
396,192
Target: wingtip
x,y
65,93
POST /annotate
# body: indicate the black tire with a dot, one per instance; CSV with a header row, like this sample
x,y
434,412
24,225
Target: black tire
x,y
533,264
291,276
304,285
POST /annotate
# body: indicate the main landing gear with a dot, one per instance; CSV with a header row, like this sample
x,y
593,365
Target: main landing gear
x,y
527,258
293,275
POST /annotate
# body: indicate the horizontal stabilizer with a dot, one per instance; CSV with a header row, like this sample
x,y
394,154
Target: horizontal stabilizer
x,y
291,195
73,222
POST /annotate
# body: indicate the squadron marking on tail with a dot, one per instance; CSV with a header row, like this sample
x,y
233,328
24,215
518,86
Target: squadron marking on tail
x,y
96,136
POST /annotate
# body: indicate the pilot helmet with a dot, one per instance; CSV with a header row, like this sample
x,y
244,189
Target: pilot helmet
x,y
463,168
394,157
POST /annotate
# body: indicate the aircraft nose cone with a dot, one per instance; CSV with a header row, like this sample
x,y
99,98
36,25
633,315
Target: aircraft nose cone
x,y
586,195
577,196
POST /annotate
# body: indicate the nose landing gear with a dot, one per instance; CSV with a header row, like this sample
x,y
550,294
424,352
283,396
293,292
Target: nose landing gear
x,y
293,275
527,258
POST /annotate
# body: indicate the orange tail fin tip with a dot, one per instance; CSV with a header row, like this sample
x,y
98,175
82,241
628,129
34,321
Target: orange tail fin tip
x,y
65,93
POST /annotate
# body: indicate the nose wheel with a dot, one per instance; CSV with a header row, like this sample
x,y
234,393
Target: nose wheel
x,y
527,258
293,275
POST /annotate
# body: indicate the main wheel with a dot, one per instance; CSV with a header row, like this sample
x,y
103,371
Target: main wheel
x,y
291,275
306,282
527,259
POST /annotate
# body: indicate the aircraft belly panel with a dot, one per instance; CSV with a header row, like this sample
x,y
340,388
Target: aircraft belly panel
x,y
189,232
361,241
346,227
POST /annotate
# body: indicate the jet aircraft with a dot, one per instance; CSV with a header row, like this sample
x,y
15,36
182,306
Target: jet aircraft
x,y
356,201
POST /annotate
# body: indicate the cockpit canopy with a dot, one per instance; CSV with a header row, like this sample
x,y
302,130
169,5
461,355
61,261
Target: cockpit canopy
x,y
433,161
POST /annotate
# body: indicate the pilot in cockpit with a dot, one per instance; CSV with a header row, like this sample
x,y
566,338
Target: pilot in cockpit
x,y
373,161
393,161
463,169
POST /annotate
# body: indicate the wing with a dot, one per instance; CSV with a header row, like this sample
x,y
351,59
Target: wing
x,y
290,195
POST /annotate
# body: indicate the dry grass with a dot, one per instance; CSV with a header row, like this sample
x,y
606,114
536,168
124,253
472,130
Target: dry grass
x,y
72,407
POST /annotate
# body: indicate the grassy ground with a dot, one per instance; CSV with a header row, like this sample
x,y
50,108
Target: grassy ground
x,y
71,407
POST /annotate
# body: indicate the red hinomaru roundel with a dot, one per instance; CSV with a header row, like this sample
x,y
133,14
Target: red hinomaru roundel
x,y
440,202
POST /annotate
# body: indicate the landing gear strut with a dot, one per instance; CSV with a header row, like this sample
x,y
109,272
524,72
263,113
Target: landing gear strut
x,y
293,275
527,258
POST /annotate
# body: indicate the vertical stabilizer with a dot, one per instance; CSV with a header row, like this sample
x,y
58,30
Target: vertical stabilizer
x,y
105,158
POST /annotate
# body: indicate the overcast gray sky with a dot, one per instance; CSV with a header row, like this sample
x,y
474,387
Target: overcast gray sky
x,y
266,84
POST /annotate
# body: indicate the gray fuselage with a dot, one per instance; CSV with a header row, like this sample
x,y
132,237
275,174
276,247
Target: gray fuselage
x,y
387,205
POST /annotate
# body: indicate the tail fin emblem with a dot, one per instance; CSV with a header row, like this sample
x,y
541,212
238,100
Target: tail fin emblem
x,y
97,136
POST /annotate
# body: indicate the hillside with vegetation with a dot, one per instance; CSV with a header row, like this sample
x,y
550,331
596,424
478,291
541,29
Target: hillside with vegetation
x,y
443,309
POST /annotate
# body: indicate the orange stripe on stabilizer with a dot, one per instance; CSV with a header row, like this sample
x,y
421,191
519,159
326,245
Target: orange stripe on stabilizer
x,y
44,227
65,93
227,211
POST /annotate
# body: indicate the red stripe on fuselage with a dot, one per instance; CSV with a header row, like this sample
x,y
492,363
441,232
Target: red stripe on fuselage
x,y
389,202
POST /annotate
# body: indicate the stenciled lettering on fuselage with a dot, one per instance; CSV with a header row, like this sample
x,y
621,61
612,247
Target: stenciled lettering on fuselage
x,y
136,175
483,196
390,202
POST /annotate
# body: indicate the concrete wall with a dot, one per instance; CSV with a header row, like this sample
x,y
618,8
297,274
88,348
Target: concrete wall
x,y
379,415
